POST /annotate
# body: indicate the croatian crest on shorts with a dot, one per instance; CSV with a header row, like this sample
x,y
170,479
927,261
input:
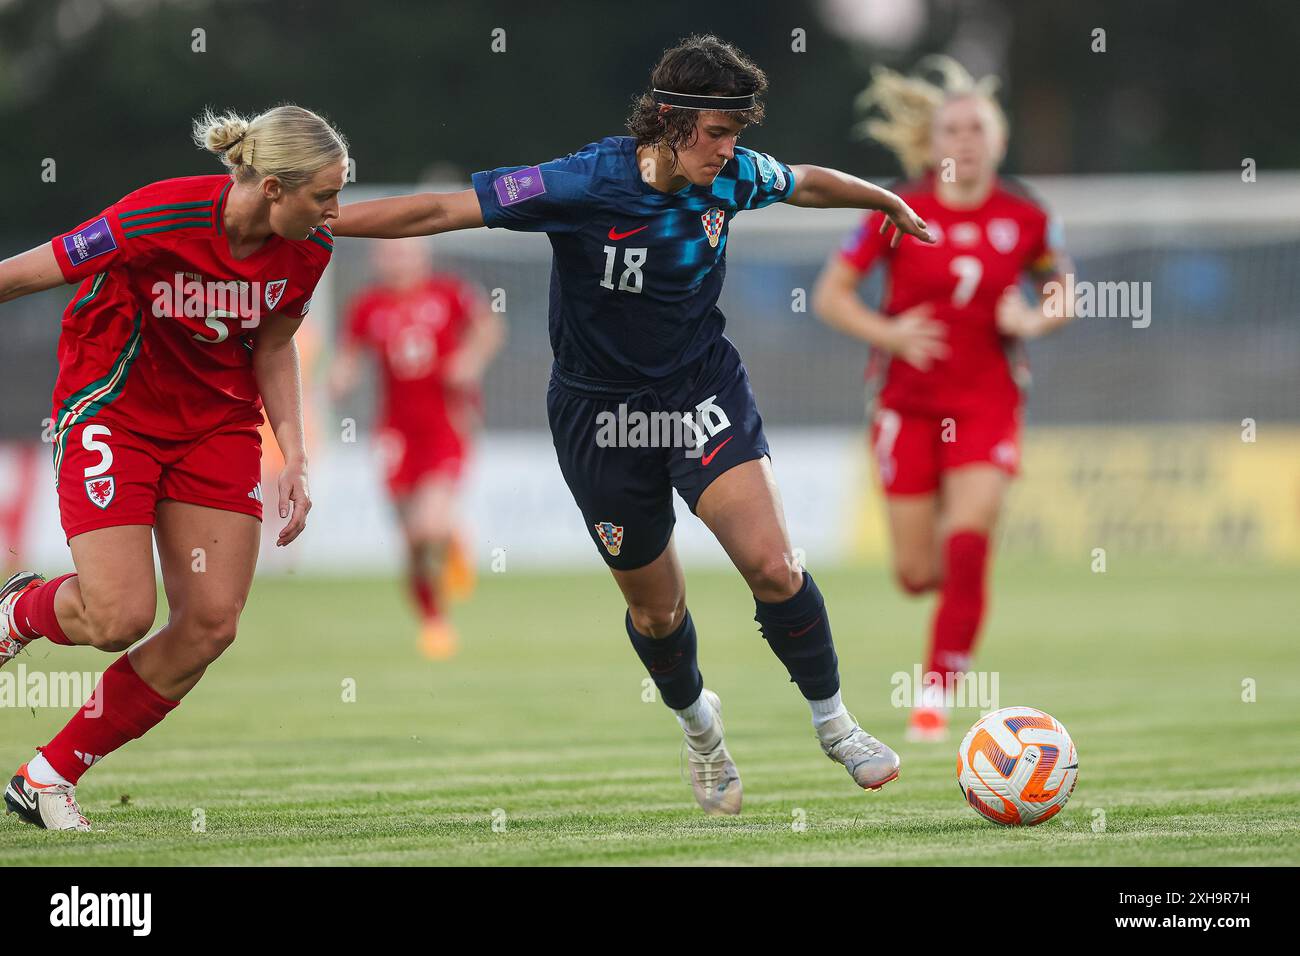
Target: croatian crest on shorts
x,y
274,292
611,536
713,220
1003,234
100,491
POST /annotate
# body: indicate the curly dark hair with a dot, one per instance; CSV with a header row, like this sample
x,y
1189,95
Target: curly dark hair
x,y
702,66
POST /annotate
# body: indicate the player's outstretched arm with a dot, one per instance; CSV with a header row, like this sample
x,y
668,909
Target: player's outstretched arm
x,y
32,271
817,187
423,214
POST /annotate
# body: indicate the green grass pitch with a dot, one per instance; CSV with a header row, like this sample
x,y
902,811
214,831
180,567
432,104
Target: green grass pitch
x,y
539,725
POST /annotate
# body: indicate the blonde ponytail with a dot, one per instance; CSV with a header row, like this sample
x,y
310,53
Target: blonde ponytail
x,y
907,105
287,142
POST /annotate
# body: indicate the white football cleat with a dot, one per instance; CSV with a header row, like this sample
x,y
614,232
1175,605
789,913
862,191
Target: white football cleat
x,y
714,776
870,763
48,806
10,591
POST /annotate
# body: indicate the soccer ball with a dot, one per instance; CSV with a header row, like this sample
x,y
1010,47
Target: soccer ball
x,y
1017,766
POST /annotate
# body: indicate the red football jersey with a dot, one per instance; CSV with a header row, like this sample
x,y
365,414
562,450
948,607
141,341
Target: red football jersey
x,y
159,335
414,332
978,254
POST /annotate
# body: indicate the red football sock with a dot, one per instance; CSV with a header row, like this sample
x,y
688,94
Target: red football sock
x,y
122,708
961,603
34,613
426,598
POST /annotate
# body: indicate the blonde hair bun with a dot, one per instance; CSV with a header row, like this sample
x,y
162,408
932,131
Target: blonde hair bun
x,y
288,142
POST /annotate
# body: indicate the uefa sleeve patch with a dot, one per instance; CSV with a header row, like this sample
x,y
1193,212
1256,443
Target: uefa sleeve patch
x,y
520,185
776,171
90,242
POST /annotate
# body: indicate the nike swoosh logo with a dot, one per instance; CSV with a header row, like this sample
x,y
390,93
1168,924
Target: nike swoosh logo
x,y
616,236
807,629
709,457
20,796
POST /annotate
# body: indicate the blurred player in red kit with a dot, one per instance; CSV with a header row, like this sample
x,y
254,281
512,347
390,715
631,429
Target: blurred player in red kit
x,y
945,431
179,334
433,336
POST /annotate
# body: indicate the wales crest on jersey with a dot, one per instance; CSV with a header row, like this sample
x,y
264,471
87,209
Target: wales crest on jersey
x,y
274,291
611,536
713,220
1003,234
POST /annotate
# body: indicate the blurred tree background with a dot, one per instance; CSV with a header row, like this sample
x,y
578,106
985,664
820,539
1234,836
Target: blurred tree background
x,y
106,87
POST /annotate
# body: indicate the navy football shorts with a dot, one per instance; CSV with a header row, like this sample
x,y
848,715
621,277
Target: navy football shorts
x,y
622,453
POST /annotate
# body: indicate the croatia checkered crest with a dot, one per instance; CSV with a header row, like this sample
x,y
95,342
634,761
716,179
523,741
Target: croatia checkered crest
x,y
611,536
1017,766
713,220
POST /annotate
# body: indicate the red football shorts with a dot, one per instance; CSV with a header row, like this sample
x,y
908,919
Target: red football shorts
x,y
408,458
107,475
912,451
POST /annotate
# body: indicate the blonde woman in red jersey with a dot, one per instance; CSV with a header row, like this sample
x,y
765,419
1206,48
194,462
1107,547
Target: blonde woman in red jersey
x,y
945,431
179,334
433,337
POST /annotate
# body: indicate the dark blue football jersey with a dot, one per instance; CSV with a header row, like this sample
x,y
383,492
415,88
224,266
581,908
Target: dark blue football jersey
x,y
636,273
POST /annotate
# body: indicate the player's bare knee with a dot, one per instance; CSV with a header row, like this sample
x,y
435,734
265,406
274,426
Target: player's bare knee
x,y
117,629
916,578
776,578
211,629
433,538
213,638
657,620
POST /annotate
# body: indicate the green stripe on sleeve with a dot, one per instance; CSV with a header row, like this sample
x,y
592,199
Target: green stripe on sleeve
x,y
131,227
174,206
192,224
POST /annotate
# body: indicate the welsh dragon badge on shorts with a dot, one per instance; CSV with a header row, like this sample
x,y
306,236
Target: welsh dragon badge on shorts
x,y
713,220
611,536
100,491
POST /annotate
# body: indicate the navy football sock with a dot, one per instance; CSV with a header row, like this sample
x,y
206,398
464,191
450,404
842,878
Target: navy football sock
x,y
671,661
799,633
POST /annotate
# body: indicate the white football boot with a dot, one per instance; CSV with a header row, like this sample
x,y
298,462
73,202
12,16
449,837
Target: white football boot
x,y
49,806
714,777
870,763
10,642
